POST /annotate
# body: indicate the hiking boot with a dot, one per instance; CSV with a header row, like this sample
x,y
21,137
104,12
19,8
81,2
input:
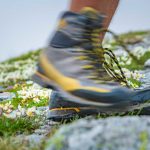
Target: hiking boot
x,y
74,65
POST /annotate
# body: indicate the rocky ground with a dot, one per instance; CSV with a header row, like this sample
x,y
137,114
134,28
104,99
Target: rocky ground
x,y
24,106
115,133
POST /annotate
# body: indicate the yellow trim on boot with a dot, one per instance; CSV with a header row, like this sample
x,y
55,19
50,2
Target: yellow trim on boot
x,y
62,23
61,108
66,83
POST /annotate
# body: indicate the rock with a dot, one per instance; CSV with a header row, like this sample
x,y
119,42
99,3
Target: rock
x,y
6,96
146,40
9,88
116,133
43,130
43,108
145,82
44,127
40,131
34,138
1,89
147,64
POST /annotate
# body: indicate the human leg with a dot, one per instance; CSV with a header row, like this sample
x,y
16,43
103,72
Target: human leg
x,y
106,7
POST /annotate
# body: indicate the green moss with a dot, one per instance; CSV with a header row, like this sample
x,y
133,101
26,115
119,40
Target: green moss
x,y
144,140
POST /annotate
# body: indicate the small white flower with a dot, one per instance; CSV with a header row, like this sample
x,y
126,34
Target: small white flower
x,y
36,100
31,111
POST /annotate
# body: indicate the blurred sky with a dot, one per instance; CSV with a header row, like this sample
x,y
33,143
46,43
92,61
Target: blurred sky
x,y
26,24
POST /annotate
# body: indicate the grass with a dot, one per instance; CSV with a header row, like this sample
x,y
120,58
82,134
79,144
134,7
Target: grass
x,y
130,36
12,127
140,64
31,54
28,103
131,113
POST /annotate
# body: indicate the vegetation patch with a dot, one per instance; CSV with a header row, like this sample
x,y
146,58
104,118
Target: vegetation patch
x,y
12,127
14,143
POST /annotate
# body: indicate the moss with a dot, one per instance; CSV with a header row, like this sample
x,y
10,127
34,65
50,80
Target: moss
x,y
144,140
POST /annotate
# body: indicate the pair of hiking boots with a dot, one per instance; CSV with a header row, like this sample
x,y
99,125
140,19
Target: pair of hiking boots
x,y
74,66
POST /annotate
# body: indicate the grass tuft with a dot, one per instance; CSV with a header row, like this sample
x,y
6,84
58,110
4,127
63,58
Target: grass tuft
x,y
12,127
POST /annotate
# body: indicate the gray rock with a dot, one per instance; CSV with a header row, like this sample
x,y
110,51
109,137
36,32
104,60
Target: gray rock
x,y
1,89
34,138
6,96
147,64
145,82
116,133
4,89
44,108
40,131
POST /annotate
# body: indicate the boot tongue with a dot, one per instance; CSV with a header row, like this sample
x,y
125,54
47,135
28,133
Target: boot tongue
x,y
89,12
94,17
